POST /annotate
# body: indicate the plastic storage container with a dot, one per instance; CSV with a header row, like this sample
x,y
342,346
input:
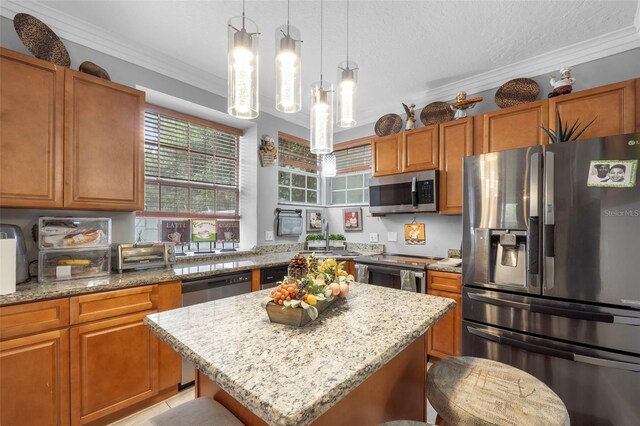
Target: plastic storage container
x,y
73,233
58,265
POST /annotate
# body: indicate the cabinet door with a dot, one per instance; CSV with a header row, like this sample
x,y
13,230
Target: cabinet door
x,y
420,149
516,127
34,379
114,364
456,142
444,338
104,144
386,155
170,363
612,106
31,125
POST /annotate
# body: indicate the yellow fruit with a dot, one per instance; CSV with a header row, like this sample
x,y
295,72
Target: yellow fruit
x,y
311,299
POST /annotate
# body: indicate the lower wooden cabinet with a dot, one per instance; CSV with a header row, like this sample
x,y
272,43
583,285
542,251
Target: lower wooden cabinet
x,y
445,337
114,364
34,379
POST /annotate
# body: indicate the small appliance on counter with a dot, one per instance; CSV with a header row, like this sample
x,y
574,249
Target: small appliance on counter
x,y
13,258
143,256
73,248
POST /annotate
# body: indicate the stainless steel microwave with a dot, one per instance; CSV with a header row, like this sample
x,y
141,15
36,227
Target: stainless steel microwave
x,y
405,193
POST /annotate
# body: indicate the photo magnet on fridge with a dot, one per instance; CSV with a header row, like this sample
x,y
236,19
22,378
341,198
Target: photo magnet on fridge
x,y
612,173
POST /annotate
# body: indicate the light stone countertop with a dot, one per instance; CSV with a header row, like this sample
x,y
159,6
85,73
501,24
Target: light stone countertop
x,y
289,375
34,290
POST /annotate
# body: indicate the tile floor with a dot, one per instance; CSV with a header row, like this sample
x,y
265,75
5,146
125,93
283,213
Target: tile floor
x,y
183,396
188,394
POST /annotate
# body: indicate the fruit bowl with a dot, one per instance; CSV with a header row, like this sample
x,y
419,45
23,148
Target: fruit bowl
x,y
299,299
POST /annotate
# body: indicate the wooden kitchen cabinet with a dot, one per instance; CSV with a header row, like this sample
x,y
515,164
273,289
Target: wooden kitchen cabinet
x,y
410,151
613,107
420,149
31,131
386,155
68,139
516,127
456,142
444,339
103,144
34,363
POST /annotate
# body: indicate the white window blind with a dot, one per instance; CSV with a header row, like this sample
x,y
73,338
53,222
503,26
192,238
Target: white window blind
x,y
353,159
296,154
191,167
298,180
353,169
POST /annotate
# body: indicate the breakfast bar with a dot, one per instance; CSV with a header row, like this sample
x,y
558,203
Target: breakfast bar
x,y
362,361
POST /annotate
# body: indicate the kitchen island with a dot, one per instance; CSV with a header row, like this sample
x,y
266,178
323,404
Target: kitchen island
x,y
362,361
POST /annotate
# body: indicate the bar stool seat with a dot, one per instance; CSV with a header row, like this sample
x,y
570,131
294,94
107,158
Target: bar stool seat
x,y
199,411
405,423
475,391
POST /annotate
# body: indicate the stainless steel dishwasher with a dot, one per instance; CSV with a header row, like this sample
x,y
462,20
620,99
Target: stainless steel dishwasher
x,y
202,290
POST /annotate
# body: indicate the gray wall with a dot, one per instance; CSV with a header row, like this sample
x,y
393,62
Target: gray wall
x,y
259,199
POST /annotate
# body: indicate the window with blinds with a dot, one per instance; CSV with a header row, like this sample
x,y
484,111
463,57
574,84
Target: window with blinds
x,y
353,171
191,166
298,180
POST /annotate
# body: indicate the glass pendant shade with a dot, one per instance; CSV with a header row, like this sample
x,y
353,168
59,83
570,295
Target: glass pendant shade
x,y
347,88
329,165
321,118
288,81
242,68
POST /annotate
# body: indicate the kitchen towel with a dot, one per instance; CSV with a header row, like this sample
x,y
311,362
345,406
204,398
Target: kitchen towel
x,y
7,265
362,274
408,280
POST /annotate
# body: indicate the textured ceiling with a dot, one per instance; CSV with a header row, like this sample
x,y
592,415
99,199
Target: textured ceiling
x,y
403,48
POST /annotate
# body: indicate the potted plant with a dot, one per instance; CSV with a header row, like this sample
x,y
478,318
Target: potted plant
x,y
337,240
315,241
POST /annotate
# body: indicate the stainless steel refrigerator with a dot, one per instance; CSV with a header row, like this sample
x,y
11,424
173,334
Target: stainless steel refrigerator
x,y
551,270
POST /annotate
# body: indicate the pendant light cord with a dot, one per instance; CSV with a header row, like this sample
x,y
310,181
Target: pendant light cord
x,y
321,20
347,33
287,17
243,14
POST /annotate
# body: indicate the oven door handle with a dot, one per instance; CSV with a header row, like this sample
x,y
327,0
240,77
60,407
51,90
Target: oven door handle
x,y
557,353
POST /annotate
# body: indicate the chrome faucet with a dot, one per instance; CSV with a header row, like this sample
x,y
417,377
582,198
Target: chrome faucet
x,y
325,233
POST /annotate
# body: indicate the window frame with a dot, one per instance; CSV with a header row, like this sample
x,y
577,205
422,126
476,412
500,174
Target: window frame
x,y
292,169
351,171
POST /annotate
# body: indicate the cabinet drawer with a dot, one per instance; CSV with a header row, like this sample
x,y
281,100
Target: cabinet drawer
x,y
444,281
111,304
33,317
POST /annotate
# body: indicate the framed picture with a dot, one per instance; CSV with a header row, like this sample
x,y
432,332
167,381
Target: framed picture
x,y
414,234
175,231
203,230
352,219
314,220
612,173
228,230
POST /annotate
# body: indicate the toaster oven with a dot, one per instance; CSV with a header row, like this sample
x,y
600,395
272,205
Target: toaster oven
x,y
143,256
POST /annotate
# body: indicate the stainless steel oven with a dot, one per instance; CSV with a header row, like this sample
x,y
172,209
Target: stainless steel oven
x,y
386,270
404,193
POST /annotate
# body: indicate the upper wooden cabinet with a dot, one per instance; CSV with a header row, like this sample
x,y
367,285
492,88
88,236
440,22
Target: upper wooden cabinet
x,y
68,139
386,155
420,149
411,151
456,142
613,107
516,127
31,126
103,149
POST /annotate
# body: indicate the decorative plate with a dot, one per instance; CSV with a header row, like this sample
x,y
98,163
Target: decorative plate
x,y
41,41
436,112
388,125
516,92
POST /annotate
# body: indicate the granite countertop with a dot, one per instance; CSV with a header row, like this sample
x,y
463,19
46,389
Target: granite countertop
x,y
192,268
444,268
289,375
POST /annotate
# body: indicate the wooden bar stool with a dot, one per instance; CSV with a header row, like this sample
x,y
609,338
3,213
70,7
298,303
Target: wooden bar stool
x,y
476,391
197,412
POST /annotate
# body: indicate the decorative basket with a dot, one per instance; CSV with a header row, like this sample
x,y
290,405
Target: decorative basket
x,y
517,91
297,317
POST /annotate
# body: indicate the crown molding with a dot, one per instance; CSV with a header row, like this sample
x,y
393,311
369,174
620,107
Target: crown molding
x,y
78,31
636,21
585,51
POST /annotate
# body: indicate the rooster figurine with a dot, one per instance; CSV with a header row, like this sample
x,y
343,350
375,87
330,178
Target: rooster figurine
x,y
411,117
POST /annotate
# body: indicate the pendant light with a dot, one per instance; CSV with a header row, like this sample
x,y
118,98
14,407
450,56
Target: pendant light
x,y
242,67
329,165
347,86
321,108
288,81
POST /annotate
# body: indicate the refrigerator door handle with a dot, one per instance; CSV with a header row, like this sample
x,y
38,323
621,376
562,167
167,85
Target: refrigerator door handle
x,y
549,222
499,302
558,353
533,236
